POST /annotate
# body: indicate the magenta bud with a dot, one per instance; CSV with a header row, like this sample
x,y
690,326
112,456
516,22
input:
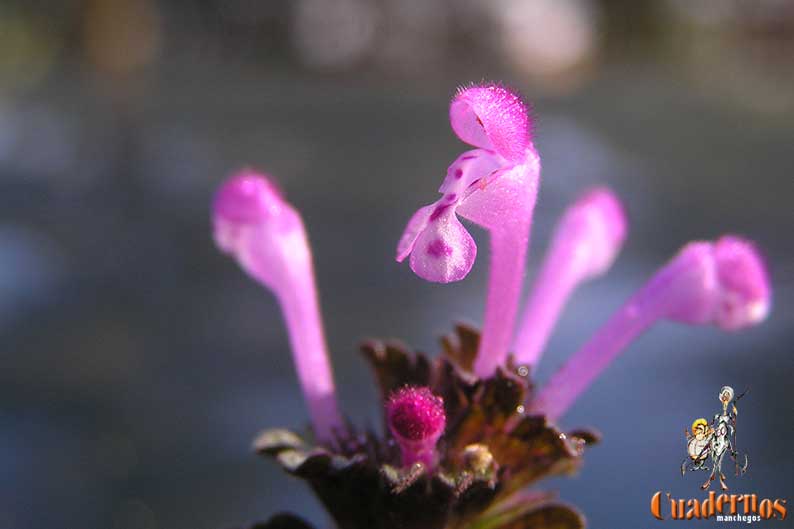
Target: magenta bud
x,y
416,419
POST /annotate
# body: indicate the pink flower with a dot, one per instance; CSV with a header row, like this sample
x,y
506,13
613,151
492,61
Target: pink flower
x,y
494,186
722,283
265,234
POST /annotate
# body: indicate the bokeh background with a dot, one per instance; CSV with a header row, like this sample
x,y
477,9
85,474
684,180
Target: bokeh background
x,y
137,364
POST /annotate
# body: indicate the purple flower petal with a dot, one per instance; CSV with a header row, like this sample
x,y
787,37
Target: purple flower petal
x,y
744,282
416,224
504,199
468,169
444,251
492,117
439,262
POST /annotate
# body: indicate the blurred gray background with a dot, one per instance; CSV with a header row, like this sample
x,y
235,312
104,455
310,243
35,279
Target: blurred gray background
x,y
137,364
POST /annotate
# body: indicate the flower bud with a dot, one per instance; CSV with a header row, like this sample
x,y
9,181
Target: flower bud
x,y
416,419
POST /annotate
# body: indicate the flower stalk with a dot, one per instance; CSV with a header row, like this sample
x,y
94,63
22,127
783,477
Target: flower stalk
x,y
585,243
505,277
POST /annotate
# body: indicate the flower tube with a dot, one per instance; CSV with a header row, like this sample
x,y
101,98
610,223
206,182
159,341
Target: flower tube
x,y
494,186
585,243
266,236
723,283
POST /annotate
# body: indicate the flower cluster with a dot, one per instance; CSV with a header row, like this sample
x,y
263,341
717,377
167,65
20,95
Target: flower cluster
x,y
466,432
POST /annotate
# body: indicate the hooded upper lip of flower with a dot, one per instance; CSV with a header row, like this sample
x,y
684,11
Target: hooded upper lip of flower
x,y
495,121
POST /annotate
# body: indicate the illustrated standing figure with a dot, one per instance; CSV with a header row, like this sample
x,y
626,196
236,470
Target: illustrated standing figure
x,y
713,441
723,438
